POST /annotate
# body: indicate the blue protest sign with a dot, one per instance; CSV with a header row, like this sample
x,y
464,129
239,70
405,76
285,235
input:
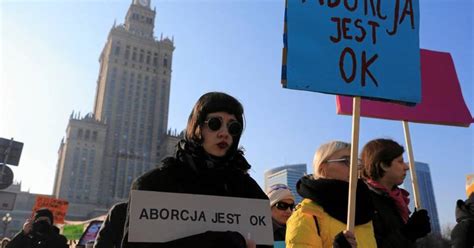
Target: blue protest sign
x,y
367,48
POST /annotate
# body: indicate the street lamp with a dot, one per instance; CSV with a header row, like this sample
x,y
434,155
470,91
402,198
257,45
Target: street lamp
x,y
6,220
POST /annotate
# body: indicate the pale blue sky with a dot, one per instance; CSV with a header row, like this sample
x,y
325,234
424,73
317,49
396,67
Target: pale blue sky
x,y
49,66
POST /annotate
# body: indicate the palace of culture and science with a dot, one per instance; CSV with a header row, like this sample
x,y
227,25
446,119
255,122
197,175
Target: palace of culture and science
x,y
126,135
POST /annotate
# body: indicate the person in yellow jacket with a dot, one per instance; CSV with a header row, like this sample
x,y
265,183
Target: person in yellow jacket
x,y
320,219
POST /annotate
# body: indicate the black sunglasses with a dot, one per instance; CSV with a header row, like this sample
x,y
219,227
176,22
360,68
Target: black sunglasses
x,y
284,206
233,127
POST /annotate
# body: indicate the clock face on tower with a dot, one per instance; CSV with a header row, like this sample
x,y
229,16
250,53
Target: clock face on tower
x,y
143,2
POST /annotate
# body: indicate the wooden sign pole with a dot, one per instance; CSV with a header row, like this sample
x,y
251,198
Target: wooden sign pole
x,y
354,164
411,160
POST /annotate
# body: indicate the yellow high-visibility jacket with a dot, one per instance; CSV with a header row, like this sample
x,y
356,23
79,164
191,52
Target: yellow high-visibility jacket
x,y
302,232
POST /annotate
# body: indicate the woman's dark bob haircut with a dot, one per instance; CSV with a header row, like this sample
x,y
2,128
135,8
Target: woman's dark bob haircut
x,y
210,103
377,155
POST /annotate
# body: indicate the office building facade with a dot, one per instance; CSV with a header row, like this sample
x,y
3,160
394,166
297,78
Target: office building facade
x,y
288,175
427,196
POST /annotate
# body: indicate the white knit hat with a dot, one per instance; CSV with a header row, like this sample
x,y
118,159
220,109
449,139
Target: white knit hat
x,y
279,192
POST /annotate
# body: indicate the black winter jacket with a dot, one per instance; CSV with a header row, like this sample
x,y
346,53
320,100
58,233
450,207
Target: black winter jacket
x,y
51,239
279,231
193,172
111,232
388,223
462,235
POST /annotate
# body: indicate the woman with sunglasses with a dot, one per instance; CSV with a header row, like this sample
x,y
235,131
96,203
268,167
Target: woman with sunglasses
x,y
282,202
383,170
207,162
320,219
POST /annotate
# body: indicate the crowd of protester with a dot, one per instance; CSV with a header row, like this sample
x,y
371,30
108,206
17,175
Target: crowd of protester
x,y
209,161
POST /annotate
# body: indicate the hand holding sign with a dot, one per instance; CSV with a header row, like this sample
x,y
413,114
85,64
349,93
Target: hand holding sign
x,y
182,215
28,226
57,206
376,41
250,242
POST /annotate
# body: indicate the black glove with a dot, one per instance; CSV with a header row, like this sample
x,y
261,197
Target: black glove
x,y
418,225
340,241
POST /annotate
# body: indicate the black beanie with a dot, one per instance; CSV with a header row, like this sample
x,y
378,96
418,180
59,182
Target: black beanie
x,y
44,212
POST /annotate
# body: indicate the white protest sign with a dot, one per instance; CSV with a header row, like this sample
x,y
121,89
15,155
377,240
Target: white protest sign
x,y
162,217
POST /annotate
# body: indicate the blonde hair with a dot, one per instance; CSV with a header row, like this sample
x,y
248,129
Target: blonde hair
x,y
324,152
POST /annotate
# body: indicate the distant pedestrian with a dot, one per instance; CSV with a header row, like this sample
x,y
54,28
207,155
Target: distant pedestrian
x,y
111,232
462,235
384,169
282,203
39,233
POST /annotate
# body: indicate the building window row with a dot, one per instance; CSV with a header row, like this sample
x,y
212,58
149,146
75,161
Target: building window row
x,y
136,16
86,134
141,56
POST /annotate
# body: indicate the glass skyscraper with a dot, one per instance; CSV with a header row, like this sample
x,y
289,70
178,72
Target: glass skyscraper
x,y
427,197
287,174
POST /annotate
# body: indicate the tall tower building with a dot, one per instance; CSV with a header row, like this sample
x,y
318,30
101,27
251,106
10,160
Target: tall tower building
x,y
427,197
288,175
132,98
130,110
82,152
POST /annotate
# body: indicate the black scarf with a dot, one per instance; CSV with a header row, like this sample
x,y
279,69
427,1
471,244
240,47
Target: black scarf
x,y
332,195
213,173
195,155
